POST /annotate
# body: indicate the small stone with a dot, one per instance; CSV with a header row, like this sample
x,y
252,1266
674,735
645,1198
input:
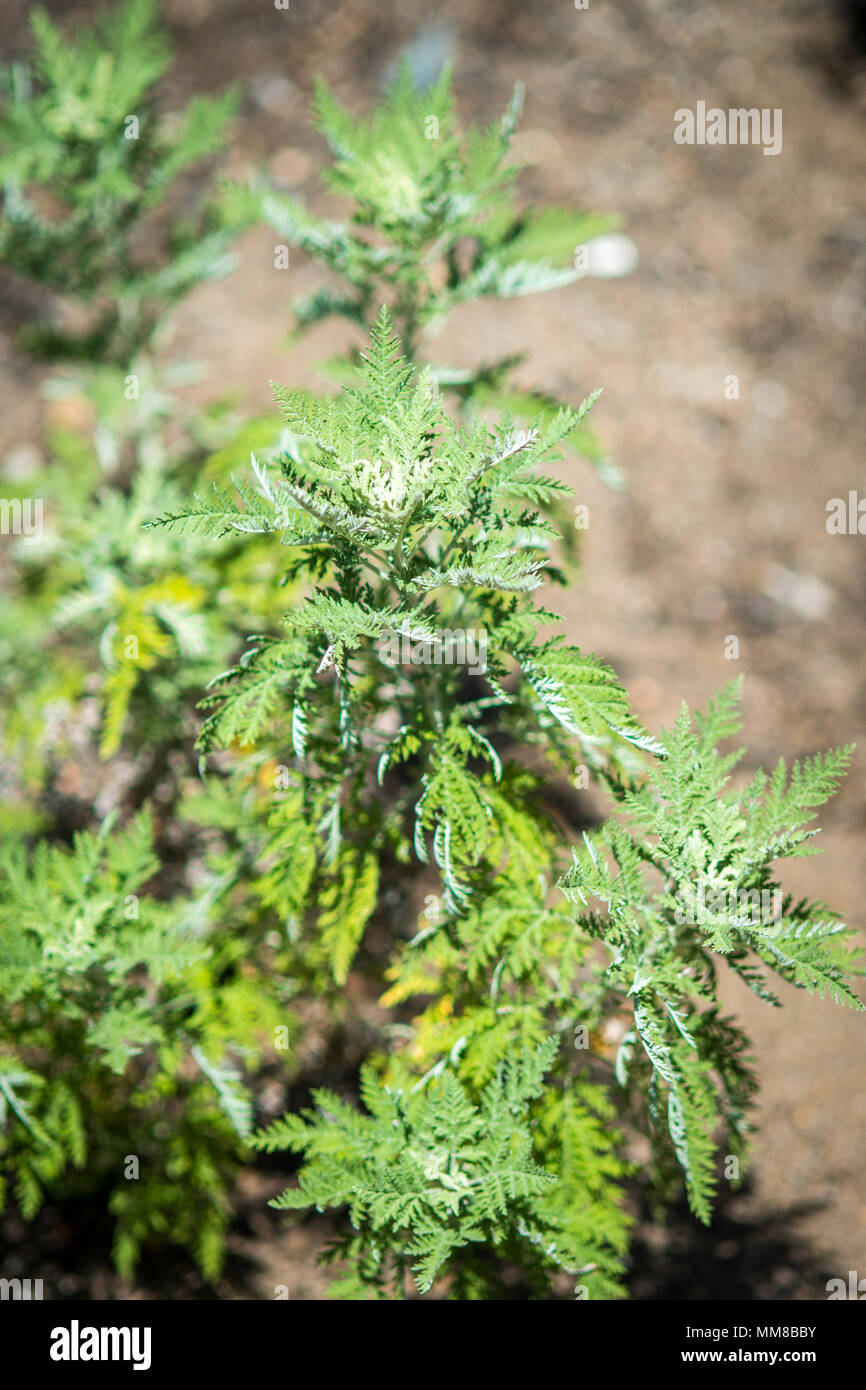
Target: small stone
x,y
808,595
612,256
426,54
273,92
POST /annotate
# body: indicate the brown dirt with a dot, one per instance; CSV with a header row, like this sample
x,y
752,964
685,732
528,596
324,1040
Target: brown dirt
x,y
750,266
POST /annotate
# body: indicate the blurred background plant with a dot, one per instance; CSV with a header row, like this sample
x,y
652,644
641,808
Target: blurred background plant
x,y
88,171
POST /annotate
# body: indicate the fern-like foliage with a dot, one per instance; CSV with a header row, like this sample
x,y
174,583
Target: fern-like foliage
x,y
447,226
391,726
85,161
105,610
430,1179
686,875
418,525
111,1071
405,525
438,198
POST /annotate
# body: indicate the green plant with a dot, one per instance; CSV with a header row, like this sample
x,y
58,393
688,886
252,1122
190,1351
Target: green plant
x,y
87,168
114,1072
375,857
434,224
410,526
428,1173
129,618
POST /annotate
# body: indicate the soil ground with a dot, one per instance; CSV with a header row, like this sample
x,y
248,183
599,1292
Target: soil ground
x,y
750,266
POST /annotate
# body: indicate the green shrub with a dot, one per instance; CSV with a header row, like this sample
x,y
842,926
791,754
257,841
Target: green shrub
x,y
435,224
413,530
87,181
383,854
114,1074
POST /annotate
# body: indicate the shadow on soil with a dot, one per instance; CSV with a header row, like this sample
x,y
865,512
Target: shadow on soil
x,y
742,1256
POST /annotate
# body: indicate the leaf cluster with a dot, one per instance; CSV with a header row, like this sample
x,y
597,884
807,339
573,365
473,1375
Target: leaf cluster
x,y
86,162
